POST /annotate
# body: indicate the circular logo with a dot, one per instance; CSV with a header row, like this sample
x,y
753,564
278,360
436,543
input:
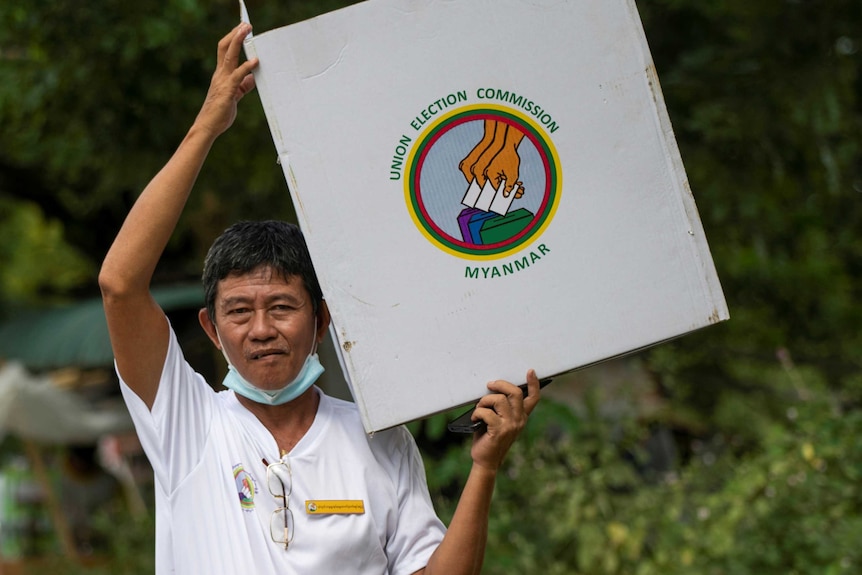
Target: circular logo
x,y
244,486
482,182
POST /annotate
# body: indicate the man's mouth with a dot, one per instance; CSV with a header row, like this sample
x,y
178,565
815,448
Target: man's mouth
x,y
265,353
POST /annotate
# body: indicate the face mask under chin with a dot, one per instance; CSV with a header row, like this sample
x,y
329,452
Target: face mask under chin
x,y
308,374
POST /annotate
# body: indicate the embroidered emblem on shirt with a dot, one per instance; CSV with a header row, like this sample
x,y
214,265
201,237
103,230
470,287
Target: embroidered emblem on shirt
x,y
245,486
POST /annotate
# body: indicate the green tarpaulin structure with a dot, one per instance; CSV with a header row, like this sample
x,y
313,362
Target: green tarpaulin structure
x,y
76,335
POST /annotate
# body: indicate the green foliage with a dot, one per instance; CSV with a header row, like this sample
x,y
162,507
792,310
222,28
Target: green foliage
x,y
574,497
94,97
764,97
130,550
35,260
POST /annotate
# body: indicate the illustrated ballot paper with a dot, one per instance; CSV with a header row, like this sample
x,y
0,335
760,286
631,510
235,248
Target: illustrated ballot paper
x,y
486,186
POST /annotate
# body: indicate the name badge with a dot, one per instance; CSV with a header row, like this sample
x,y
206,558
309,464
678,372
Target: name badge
x,y
335,507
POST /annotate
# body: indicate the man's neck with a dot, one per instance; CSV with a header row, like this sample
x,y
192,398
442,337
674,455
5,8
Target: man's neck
x,y
288,422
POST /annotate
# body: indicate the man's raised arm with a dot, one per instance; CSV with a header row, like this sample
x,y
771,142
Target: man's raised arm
x,y
137,326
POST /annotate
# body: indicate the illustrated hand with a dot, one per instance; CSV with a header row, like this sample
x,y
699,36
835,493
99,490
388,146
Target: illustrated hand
x,y
505,414
495,158
469,165
230,82
505,166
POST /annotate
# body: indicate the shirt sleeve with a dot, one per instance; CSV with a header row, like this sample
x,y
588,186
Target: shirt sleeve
x,y
419,531
175,432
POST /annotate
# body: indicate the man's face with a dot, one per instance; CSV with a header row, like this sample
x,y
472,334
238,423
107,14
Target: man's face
x,y
266,324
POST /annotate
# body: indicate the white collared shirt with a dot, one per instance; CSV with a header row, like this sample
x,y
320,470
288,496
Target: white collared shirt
x,y
213,506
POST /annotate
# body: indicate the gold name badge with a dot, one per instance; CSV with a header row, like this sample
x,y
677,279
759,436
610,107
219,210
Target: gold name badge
x,y
335,507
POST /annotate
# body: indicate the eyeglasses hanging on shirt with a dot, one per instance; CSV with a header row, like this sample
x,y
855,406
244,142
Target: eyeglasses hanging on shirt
x,y
280,482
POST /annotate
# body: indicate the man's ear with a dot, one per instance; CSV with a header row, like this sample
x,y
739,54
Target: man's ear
x,y
209,327
323,319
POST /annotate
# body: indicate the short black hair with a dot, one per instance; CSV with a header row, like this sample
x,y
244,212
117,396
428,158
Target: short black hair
x,y
247,245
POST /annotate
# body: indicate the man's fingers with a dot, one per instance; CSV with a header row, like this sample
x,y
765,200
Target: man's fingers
x,y
506,401
231,55
235,77
486,414
508,397
227,40
246,86
500,403
505,388
533,391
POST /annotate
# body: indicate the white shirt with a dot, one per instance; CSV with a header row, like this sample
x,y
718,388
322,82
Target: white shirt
x,y
213,506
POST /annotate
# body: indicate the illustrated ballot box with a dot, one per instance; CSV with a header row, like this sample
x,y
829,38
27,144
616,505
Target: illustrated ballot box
x,y
486,186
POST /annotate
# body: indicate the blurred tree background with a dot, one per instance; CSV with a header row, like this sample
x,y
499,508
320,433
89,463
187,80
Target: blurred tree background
x,y
764,411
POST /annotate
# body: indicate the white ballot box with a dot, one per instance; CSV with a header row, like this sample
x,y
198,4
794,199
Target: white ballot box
x,y
486,186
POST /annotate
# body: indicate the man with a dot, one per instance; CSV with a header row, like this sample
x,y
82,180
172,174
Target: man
x,y
273,476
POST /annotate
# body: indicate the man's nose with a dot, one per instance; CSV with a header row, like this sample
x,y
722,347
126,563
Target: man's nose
x,y
261,326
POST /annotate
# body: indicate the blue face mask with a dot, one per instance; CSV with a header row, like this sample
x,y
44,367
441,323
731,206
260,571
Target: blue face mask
x,y
309,373
306,377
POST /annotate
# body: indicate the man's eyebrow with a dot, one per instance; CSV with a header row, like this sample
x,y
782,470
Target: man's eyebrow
x,y
227,304
241,299
286,297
